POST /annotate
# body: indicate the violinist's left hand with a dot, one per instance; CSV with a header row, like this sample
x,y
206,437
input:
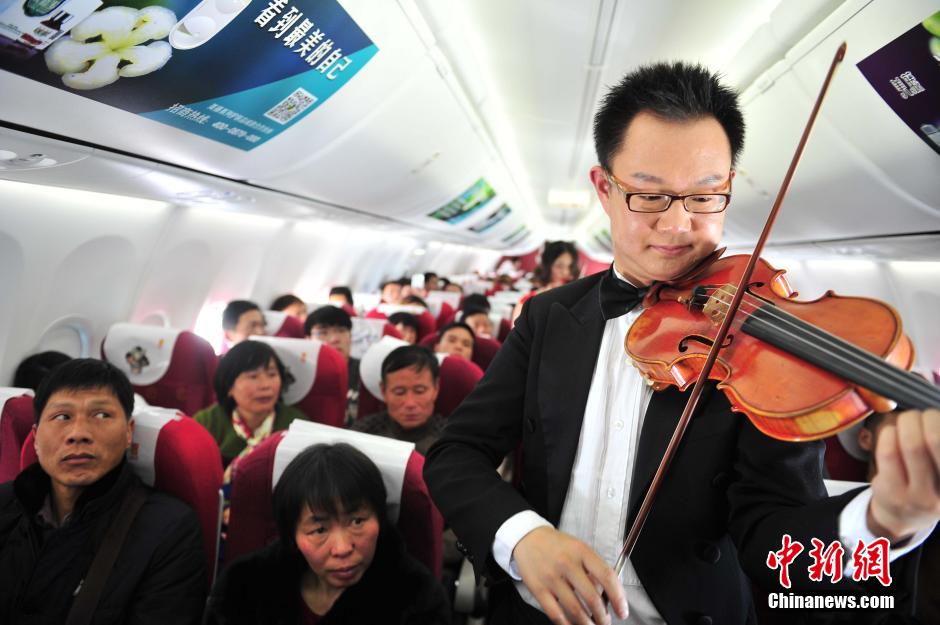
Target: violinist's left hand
x,y
906,487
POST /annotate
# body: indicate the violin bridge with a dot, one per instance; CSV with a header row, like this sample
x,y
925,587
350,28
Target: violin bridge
x,y
718,303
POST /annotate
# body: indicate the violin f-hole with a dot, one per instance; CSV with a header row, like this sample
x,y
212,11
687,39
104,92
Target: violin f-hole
x,y
704,340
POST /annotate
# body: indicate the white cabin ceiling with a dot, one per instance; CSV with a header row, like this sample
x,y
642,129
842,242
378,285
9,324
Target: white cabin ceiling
x,y
463,89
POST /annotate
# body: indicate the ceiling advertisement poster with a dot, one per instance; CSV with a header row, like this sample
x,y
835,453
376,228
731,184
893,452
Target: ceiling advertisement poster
x,y
906,74
467,203
234,71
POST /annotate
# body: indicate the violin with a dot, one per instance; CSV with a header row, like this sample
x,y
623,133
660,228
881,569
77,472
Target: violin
x,y
799,370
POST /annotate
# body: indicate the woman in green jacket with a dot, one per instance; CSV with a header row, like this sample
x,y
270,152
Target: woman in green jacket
x,y
249,383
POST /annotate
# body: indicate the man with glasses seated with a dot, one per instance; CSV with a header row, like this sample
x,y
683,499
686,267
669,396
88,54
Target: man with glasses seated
x,y
333,326
591,433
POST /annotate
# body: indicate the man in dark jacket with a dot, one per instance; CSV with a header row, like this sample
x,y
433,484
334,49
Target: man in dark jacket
x,y
56,515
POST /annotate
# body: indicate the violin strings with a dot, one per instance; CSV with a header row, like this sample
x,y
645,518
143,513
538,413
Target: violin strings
x,y
847,353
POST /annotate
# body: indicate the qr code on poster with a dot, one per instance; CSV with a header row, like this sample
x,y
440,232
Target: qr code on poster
x,y
291,106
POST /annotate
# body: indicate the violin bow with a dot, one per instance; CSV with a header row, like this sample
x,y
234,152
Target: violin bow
x,y
723,329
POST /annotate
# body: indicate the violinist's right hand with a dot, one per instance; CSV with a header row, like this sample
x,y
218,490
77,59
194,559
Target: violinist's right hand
x,y
561,572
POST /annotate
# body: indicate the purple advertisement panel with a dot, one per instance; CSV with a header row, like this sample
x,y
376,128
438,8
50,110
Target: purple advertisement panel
x,y
906,74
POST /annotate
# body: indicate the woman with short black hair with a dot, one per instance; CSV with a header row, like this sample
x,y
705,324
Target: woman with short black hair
x,y
337,560
249,384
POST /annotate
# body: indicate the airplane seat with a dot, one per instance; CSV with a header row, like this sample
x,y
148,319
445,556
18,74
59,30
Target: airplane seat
x,y
505,327
251,521
447,315
351,311
175,455
426,322
16,421
279,323
457,378
321,377
484,349
167,367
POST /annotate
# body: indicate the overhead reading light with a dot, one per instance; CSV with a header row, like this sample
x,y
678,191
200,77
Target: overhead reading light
x,y
569,199
12,160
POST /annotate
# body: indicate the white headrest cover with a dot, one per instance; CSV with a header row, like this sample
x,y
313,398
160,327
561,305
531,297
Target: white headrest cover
x,y
142,352
436,298
148,421
299,357
365,332
389,455
370,367
390,309
273,320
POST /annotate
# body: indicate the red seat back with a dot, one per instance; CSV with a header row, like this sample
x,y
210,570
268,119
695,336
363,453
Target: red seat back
x,y
16,420
279,323
251,521
321,378
168,367
484,349
175,455
426,322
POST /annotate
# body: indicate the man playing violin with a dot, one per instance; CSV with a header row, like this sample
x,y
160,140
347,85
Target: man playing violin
x,y
591,433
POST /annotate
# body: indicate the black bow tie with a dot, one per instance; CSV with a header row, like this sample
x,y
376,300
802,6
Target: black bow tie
x,y
618,297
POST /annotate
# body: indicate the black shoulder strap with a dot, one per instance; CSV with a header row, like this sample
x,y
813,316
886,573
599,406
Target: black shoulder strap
x,y
89,592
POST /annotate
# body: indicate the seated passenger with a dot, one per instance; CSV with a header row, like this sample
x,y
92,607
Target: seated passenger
x,y
476,300
407,326
290,304
455,339
34,369
479,321
391,291
412,299
431,281
340,295
410,383
338,559
241,319
249,383
60,513
333,326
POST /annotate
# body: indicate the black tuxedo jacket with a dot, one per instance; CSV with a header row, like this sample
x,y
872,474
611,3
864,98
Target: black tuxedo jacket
x,y
728,499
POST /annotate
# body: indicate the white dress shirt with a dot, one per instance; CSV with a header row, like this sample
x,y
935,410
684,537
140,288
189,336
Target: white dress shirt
x,y
595,507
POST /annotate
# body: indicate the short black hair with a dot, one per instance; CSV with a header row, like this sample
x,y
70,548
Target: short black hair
x,y
406,356
345,291
475,300
414,300
473,310
406,319
283,301
81,374
676,91
451,326
404,281
428,275
329,316
246,356
33,369
328,479
234,310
